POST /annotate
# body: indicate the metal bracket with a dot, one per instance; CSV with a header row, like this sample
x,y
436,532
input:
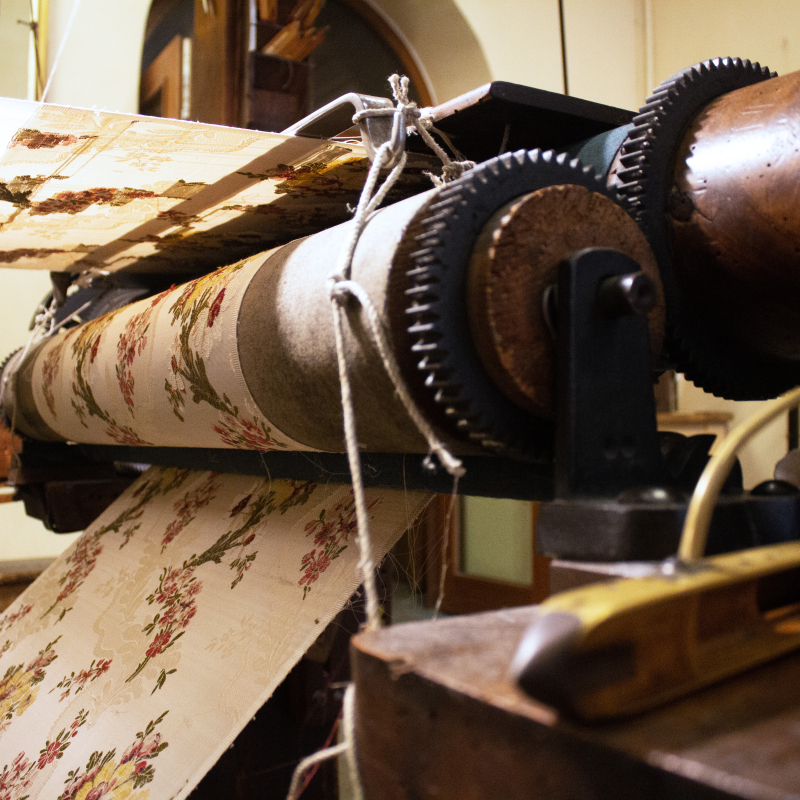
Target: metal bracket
x,y
336,118
606,436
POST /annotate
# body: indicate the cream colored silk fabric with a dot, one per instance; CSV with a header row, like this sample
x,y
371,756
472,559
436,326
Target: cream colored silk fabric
x,y
84,189
163,371
133,662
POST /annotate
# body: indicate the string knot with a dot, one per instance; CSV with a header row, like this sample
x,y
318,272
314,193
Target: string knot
x,y
339,290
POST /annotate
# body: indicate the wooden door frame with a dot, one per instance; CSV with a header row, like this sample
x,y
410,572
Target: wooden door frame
x,y
464,593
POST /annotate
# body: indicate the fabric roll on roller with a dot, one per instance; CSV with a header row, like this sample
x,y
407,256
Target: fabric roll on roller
x,y
245,357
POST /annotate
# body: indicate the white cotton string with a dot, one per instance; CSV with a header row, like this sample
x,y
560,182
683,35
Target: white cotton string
x,y
451,507
60,50
422,123
341,288
347,747
381,341
349,723
310,761
365,561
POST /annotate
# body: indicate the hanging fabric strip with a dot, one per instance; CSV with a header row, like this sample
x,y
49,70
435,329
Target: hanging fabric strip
x,y
133,662
96,190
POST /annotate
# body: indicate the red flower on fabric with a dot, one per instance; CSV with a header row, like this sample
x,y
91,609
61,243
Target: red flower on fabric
x,y
216,307
240,506
50,753
158,644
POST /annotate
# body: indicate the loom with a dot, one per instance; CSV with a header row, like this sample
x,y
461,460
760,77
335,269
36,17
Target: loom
x,y
529,304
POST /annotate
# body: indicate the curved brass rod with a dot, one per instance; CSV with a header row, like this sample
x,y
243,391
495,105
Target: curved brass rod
x,y
701,507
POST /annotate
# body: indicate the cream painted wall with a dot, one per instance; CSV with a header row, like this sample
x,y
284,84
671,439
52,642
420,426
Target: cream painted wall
x,y
15,42
688,31
99,66
421,24
521,40
606,54
462,44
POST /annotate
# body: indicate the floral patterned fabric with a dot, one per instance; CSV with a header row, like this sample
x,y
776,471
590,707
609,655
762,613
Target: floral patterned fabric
x,y
163,371
191,585
89,189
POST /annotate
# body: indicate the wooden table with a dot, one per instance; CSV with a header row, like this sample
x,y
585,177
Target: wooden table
x,y
437,717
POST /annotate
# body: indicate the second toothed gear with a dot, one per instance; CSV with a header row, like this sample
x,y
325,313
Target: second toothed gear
x,y
643,175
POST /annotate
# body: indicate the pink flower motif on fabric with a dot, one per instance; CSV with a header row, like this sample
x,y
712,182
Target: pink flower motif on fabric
x,y
200,301
176,595
245,434
107,776
84,676
50,369
331,533
84,349
82,560
8,620
132,342
187,507
214,309
19,777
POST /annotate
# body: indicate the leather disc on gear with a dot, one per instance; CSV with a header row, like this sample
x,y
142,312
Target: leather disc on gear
x,y
643,177
452,379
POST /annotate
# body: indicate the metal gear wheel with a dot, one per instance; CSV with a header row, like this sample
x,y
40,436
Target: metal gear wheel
x,y
451,379
643,178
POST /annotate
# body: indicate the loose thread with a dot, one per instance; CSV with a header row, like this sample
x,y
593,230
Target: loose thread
x,y
349,725
308,762
451,507
346,748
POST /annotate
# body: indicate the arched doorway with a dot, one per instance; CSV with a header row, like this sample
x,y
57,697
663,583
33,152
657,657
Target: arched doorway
x,y
227,78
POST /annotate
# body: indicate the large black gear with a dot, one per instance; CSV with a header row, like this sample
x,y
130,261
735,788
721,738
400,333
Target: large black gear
x,y
453,382
644,179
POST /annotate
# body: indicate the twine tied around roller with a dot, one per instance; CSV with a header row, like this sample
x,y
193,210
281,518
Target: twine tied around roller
x,y
341,289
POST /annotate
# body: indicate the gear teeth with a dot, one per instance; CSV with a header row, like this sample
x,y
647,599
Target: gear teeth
x,y
643,182
499,427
